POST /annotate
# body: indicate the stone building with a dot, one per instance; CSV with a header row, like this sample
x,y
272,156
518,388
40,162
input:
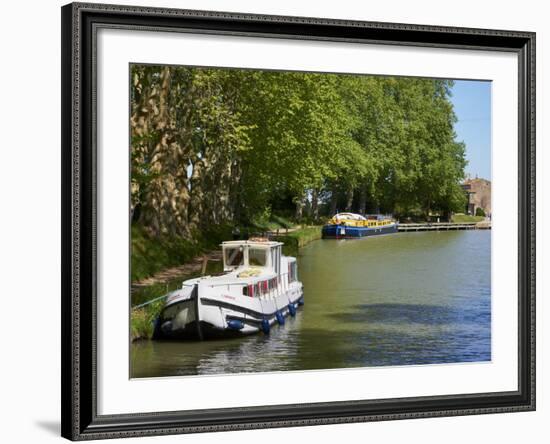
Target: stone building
x,y
479,195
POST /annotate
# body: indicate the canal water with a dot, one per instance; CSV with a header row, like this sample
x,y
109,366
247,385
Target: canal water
x,y
401,299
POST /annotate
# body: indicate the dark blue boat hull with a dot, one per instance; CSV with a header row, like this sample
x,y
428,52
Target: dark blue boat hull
x,y
346,232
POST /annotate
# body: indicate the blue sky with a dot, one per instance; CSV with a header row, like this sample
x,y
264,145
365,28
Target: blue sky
x,y
472,105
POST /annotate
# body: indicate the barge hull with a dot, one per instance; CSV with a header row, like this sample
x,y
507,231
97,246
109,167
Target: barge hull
x,y
347,232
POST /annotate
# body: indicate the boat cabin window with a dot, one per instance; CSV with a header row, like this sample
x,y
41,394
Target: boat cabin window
x,y
257,257
275,259
292,272
234,257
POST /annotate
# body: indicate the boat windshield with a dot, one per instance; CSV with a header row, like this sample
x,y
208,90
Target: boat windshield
x,y
257,256
234,257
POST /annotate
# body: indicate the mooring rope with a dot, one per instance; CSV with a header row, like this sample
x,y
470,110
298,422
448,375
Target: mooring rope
x,y
151,301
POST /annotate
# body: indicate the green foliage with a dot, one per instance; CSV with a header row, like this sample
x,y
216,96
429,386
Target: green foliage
x,y
269,222
212,147
294,240
465,218
151,254
142,320
480,212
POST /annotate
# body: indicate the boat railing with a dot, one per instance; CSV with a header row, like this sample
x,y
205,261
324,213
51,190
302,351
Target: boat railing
x,y
277,291
228,284
282,285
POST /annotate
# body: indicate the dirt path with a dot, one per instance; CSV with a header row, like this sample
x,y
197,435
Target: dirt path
x,y
170,274
281,231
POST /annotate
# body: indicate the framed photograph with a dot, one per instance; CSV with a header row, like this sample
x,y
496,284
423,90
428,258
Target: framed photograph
x,y
280,221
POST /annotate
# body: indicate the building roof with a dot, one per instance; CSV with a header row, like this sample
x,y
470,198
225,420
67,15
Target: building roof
x,y
476,180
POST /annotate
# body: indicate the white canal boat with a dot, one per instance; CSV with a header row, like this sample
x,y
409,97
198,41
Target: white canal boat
x,y
259,288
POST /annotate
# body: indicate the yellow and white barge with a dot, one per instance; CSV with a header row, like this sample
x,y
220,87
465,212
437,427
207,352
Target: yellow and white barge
x,y
351,225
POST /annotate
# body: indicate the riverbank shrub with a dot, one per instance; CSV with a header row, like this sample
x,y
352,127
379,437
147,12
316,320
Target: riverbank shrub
x,y
295,240
480,212
465,218
270,222
142,320
151,254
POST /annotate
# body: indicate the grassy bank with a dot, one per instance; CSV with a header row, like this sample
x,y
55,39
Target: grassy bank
x,y
153,254
142,320
271,223
297,239
152,291
464,218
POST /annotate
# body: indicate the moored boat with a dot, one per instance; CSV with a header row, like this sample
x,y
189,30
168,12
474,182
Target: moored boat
x,y
351,225
259,288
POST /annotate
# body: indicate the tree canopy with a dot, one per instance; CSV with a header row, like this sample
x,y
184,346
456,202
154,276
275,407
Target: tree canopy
x,y
214,146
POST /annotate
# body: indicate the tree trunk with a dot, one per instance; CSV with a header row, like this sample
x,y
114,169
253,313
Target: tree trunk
x,y
315,204
427,212
159,154
349,199
363,200
235,191
333,202
300,202
196,202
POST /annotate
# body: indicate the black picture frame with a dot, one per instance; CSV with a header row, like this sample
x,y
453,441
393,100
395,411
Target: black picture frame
x,y
79,389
